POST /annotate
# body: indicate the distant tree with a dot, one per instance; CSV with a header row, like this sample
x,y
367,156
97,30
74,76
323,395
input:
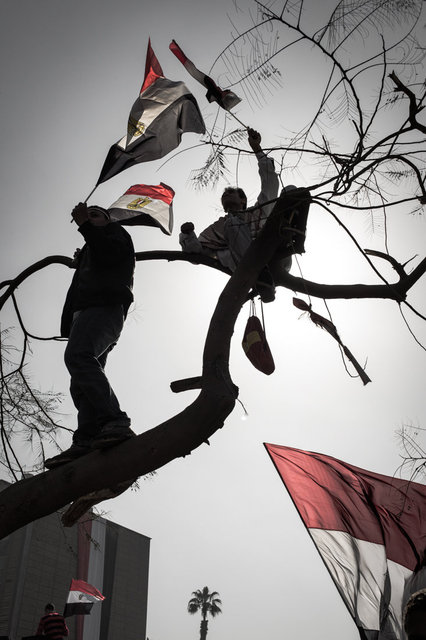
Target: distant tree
x,y
25,411
208,604
365,138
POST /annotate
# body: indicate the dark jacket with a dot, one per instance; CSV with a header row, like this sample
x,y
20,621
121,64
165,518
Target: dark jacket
x,y
104,273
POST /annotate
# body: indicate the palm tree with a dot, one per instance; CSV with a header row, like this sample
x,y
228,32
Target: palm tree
x,y
207,603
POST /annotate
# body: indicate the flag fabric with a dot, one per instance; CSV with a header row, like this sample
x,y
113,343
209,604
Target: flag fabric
x,y
81,598
369,529
145,204
327,325
225,98
163,111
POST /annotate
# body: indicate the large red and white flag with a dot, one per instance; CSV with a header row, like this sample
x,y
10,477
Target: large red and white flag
x,y
163,111
224,97
81,598
145,204
369,529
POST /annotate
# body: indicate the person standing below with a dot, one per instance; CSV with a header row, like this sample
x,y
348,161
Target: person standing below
x,y
52,625
229,237
95,309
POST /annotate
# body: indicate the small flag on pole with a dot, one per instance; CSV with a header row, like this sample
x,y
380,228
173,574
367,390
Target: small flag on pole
x,y
225,98
163,111
368,528
145,204
81,598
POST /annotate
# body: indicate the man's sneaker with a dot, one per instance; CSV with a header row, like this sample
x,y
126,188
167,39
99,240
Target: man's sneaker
x,y
111,435
75,451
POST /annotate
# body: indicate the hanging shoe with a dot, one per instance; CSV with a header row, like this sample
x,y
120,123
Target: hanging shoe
x,y
296,203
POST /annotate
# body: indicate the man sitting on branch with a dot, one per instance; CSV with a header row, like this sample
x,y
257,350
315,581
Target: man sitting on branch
x,y
229,237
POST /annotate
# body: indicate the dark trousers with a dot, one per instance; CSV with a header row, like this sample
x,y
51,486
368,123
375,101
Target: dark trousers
x,y
94,333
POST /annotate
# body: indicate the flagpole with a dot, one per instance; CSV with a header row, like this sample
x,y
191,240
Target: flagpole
x,y
237,119
92,191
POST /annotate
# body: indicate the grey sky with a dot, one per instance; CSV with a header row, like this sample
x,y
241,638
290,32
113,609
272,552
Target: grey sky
x,y
69,73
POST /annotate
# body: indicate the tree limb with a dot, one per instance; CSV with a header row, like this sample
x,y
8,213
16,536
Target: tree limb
x,y
29,271
414,109
396,291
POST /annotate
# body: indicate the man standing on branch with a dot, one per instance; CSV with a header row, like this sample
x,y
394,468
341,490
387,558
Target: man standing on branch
x,y
229,237
92,319
52,624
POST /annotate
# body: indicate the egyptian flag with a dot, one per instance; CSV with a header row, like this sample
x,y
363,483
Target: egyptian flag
x,y
225,98
145,204
81,598
369,529
163,111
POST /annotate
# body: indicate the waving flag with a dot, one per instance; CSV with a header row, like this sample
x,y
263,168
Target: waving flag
x,y
145,204
163,111
369,529
225,98
81,598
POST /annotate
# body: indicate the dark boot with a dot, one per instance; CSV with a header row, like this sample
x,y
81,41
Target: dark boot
x,y
110,435
75,451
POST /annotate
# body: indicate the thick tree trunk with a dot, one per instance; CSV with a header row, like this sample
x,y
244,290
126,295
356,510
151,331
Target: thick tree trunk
x,y
203,629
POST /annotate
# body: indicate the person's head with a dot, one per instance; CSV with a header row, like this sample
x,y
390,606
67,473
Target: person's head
x,y
49,607
415,616
98,216
234,199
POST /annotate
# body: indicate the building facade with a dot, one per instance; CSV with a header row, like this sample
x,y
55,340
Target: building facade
x,y
38,562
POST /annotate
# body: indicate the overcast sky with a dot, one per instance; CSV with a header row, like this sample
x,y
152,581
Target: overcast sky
x,y
221,517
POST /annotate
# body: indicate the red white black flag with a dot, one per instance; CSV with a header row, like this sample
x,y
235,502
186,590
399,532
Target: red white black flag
x,y
145,204
81,598
225,98
368,528
163,111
